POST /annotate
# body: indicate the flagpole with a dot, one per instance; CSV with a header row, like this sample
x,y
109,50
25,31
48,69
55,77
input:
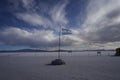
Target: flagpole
x,y
59,61
59,43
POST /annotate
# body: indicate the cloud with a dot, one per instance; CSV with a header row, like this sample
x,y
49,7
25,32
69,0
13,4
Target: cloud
x,y
35,38
28,4
34,19
102,24
58,13
37,15
99,23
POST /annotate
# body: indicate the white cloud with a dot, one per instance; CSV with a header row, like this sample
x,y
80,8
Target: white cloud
x,y
35,38
34,19
17,36
28,4
58,13
51,18
102,23
101,27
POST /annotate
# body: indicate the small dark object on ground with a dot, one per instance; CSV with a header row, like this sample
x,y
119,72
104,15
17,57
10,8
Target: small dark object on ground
x,y
117,52
99,53
57,62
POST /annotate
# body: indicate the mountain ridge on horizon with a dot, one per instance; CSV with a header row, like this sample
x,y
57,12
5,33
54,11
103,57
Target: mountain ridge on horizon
x,y
38,50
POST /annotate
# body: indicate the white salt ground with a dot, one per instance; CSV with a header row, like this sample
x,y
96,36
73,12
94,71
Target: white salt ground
x,y
79,66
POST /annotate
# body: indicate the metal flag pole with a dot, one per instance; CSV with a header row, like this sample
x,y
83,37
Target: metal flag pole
x,y
59,43
58,61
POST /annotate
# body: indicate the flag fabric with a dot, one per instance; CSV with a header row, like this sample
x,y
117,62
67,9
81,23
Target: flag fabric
x,y
66,31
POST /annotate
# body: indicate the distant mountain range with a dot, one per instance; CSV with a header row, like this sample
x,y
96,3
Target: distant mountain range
x,y
33,50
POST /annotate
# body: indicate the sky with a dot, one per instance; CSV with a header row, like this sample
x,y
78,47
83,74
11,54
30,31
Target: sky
x,y
35,24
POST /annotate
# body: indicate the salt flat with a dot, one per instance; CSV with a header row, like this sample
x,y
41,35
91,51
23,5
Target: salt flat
x,y
79,66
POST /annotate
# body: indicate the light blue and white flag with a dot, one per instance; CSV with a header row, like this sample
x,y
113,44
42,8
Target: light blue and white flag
x,y
66,31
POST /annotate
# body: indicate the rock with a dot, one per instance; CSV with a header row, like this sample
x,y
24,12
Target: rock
x,y
57,62
117,52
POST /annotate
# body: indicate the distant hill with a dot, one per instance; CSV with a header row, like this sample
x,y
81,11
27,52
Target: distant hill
x,y
34,50
24,50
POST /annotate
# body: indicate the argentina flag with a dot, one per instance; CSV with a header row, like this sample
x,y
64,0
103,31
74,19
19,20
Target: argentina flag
x,y
66,31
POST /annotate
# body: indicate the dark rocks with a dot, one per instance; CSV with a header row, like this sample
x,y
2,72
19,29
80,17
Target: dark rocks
x,y
117,52
57,62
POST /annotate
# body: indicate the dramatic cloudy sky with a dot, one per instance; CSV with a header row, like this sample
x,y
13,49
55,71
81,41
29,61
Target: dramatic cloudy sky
x,y
95,24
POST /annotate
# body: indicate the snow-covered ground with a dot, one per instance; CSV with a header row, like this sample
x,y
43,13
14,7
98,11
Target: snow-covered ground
x,y
79,66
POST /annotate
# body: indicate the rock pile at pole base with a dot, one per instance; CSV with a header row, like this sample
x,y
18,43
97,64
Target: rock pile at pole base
x,y
58,62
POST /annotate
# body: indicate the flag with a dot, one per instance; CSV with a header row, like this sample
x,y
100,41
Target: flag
x,y
66,31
